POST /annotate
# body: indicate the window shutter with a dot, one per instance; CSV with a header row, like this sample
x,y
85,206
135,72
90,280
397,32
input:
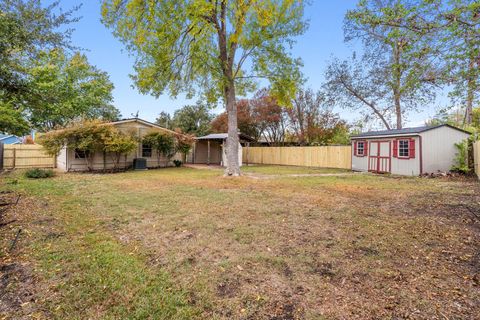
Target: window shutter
x,y
365,148
395,148
355,148
411,148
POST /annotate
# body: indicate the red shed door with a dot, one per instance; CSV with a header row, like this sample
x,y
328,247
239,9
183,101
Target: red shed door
x,y
379,157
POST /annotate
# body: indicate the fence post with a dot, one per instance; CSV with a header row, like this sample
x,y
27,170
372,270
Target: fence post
x,y
14,157
1,156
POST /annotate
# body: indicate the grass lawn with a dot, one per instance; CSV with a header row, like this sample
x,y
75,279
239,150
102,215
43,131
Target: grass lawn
x,y
183,243
289,170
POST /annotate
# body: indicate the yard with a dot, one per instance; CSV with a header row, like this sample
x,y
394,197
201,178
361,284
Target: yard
x,y
278,243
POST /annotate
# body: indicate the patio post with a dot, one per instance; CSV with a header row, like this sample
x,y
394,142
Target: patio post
x,y
208,152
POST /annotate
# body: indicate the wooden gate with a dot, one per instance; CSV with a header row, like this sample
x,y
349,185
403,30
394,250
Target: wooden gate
x,y
379,157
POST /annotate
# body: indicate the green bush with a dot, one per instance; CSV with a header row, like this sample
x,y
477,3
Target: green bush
x,y
177,163
39,173
461,158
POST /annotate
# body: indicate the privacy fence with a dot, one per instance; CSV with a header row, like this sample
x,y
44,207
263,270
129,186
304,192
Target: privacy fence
x,y
476,157
326,156
24,156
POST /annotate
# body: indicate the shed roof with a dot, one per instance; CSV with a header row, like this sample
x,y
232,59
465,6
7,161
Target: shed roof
x,y
223,136
404,131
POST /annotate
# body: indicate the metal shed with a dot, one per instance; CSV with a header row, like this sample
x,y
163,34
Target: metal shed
x,y
210,149
409,151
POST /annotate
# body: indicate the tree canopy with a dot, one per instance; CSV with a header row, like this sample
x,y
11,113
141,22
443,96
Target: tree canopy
x,y
65,89
190,119
397,68
44,82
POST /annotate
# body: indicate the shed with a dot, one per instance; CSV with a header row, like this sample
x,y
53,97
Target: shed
x,y
409,151
210,149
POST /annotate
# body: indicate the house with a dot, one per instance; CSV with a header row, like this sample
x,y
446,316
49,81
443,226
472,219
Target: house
x,y
409,151
75,160
211,149
10,139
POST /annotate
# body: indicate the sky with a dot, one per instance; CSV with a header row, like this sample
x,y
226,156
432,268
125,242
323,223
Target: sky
x,y
321,42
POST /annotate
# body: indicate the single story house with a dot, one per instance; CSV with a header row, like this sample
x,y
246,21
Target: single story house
x,y
75,160
211,149
409,151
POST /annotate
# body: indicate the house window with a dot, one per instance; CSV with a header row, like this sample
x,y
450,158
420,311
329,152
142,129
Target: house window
x,y
146,150
403,148
80,154
360,148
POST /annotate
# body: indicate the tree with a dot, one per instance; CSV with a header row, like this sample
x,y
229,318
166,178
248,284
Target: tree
x,y
192,45
26,29
85,136
456,26
118,144
164,120
313,122
246,123
184,144
65,89
269,116
397,69
192,119
162,143
12,121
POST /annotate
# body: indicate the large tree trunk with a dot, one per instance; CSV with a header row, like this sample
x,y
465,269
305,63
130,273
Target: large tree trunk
x,y
233,166
470,91
397,85
398,110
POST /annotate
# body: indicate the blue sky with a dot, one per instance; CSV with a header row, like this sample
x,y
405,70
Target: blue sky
x,y
322,41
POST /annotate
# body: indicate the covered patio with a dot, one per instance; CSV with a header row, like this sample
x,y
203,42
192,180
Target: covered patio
x,y
210,149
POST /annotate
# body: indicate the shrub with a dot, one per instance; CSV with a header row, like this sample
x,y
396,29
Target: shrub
x,y
184,144
162,143
90,136
177,163
39,173
461,158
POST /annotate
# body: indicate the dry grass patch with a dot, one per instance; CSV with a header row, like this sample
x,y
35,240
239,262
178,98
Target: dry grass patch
x,y
333,247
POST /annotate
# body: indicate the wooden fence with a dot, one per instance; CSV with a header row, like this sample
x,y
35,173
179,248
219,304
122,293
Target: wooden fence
x,y
476,157
325,157
25,156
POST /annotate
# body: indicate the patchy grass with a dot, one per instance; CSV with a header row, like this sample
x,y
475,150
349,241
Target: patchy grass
x,y
182,243
289,170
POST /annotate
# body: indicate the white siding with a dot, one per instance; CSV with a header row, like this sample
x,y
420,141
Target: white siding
x,y
439,149
407,167
62,160
358,163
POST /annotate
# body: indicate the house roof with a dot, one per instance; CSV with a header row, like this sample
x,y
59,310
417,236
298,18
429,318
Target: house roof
x,y
145,122
404,131
10,139
5,136
223,136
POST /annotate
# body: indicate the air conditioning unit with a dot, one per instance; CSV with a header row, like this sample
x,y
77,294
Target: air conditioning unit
x,y
140,164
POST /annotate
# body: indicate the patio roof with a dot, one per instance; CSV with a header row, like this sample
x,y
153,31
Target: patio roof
x,y
223,136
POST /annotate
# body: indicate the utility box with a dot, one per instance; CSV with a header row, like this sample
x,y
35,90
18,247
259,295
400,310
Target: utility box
x,y
140,164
